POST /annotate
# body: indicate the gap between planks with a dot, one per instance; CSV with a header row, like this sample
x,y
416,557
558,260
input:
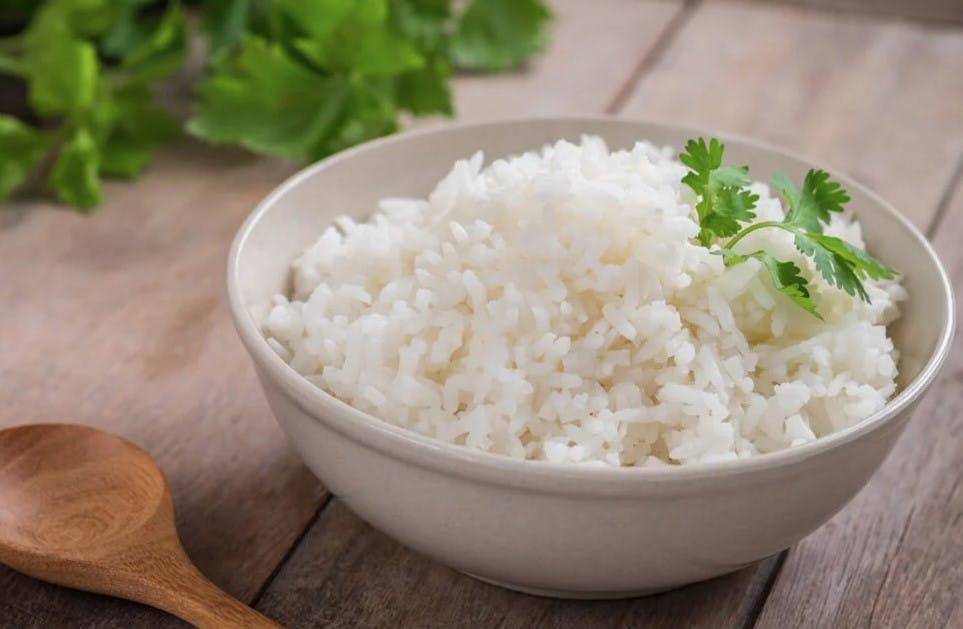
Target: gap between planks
x,y
328,497
767,576
946,198
647,62
955,179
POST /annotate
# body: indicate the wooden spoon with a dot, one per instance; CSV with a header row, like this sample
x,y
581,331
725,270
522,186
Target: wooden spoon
x,y
84,508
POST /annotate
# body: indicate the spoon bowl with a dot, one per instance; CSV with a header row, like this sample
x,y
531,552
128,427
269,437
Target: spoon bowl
x,y
114,488
87,509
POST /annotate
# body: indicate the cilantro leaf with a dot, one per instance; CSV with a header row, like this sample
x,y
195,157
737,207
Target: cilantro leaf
x,y
62,73
294,78
784,186
863,264
423,21
224,22
499,34
786,276
730,205
725,198
787,279
725,202
161,52
373,115
364,42
73,177
82,18
21,148
266,101
810,207
319,18
131,131
426,91
841,264
836,270
128,31
702,159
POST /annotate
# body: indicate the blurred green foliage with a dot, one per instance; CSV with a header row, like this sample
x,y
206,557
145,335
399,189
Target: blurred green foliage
x,y
295,78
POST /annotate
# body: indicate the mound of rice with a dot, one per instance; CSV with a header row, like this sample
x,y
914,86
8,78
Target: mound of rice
x,y
553,306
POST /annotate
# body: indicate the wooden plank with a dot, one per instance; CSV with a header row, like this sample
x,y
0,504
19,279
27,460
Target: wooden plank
x,y
893,557
346,574
944,11
119,320
346,571
598,45
877,98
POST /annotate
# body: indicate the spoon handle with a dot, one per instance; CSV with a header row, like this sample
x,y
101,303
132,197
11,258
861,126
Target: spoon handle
x,y
186,593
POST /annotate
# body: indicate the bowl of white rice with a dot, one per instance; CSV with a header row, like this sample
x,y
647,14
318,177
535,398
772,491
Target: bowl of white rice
x,y
502,345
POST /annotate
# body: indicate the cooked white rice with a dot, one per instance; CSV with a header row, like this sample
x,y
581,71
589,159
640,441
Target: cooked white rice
x,y
553,306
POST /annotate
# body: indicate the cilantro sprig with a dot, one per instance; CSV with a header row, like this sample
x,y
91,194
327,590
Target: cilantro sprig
x,y
294,78
88,66
724,210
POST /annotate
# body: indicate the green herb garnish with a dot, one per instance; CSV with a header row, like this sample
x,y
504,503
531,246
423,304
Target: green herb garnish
x,y
295,78
725,211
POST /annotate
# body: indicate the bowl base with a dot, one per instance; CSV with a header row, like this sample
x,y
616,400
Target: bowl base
x,y
572,594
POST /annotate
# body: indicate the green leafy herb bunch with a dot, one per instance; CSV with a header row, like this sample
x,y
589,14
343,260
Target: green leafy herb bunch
x,y
295,78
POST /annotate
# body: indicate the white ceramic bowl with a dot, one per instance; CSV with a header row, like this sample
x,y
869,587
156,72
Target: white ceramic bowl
x,y
546,528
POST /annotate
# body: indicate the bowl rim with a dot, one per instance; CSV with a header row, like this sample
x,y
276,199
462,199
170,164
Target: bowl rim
x,y
431,453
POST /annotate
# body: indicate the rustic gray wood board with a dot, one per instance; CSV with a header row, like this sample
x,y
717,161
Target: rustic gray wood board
x,y
879,99
937,11
894,556
130,303
385,571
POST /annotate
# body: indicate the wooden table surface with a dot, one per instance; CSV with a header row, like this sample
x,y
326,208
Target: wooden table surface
x,y
119,320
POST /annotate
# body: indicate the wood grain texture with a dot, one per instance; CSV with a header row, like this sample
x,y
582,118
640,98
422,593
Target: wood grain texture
x,y
597,46
129,330
894,556
119,320
87,509
880,100
347,574
940,11
344,573
876,98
